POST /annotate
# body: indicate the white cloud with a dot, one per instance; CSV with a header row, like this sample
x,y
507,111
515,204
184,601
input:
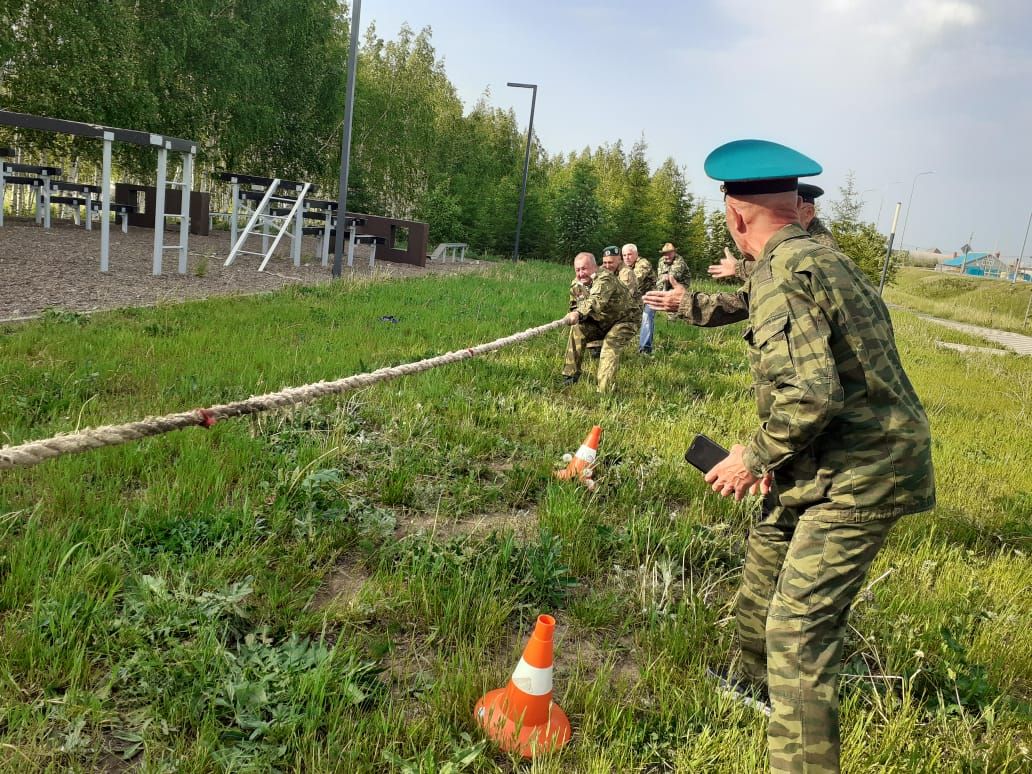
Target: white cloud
x,y
865,36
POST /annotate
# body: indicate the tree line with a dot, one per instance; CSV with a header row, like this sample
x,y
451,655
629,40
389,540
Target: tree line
x,y
259,85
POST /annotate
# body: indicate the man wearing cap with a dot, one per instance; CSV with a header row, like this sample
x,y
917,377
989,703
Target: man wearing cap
x,y
605,312
671,265
613,262
808,195
843,450
645,276
730,266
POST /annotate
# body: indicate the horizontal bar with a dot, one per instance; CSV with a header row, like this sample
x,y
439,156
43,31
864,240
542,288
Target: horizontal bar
x,y
229,177
97,131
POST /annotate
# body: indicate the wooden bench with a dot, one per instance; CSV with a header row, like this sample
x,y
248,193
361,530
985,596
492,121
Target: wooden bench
x,y
455,250
40,175
69,187
119,208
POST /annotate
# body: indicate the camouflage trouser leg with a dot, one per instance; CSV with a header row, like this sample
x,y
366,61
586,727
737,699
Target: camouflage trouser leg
x,y
581,335
822,566
768,543
618,337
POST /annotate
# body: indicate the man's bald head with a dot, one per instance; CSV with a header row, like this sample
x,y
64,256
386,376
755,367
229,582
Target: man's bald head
x,y
782,204
753,218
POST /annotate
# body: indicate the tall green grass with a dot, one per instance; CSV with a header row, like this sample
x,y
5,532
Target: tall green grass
x,y
168,605
992,303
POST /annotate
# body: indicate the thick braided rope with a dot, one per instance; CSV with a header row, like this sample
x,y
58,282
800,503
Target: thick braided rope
x,y
35,452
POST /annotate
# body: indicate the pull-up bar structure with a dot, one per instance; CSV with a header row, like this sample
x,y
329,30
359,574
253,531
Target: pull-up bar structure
x,y
109,135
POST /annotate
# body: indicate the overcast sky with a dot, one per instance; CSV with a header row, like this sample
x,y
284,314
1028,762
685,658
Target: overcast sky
x,y
886,88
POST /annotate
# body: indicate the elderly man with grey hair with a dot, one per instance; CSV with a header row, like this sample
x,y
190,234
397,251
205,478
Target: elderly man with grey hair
x,y
646,277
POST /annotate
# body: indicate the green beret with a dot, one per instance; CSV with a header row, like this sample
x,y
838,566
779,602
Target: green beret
x,y
611,250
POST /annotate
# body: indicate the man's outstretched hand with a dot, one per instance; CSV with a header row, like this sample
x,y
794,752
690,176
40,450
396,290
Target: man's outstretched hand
x,y
665,300
727,267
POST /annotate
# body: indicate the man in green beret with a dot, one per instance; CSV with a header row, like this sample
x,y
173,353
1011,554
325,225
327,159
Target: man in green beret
x,y
613,262
842,450
601,310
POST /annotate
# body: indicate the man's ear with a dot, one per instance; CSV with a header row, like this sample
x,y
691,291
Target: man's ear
x,y
735,221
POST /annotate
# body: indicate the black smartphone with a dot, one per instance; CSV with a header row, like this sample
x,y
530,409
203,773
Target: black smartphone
x,y
704,453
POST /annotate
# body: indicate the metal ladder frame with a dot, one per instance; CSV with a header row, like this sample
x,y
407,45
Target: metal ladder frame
x,y
261,213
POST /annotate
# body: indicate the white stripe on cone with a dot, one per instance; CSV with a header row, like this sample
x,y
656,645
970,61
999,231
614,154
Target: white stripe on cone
x,y
532,680
587,454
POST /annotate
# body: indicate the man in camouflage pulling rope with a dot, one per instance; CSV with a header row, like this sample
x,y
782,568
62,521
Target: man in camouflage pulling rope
x,y
601,309
612,262
843,450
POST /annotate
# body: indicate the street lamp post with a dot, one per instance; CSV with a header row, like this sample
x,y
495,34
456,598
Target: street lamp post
x,y
910,201
888,251
345,140
1021,256
526,163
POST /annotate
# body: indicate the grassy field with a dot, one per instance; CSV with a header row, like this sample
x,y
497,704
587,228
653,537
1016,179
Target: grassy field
x,y
987,302
333,588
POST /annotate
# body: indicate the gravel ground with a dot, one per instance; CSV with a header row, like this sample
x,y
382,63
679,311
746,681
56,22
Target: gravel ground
x,y
60,269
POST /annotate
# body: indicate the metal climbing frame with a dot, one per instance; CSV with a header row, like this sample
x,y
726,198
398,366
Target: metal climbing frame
x,y
109,135
269,213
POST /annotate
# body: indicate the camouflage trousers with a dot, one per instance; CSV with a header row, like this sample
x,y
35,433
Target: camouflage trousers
x,y
800,578
613,340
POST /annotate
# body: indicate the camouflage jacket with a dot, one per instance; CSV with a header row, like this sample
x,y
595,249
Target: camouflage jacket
x,y
630,281
578,290
677,269
840,423
645,275
606,301
744,268
819,234
711,310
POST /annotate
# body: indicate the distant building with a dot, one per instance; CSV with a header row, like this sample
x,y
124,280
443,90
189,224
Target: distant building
x,y
977,265
1024,274
926,258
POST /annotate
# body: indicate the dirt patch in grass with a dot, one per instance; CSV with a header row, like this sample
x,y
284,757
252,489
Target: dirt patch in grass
x,y
522,522
592,651
408,669
341,585
60,269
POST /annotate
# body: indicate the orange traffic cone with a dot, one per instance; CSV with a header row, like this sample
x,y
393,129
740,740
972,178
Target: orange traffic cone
x,y
522,716
582,464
